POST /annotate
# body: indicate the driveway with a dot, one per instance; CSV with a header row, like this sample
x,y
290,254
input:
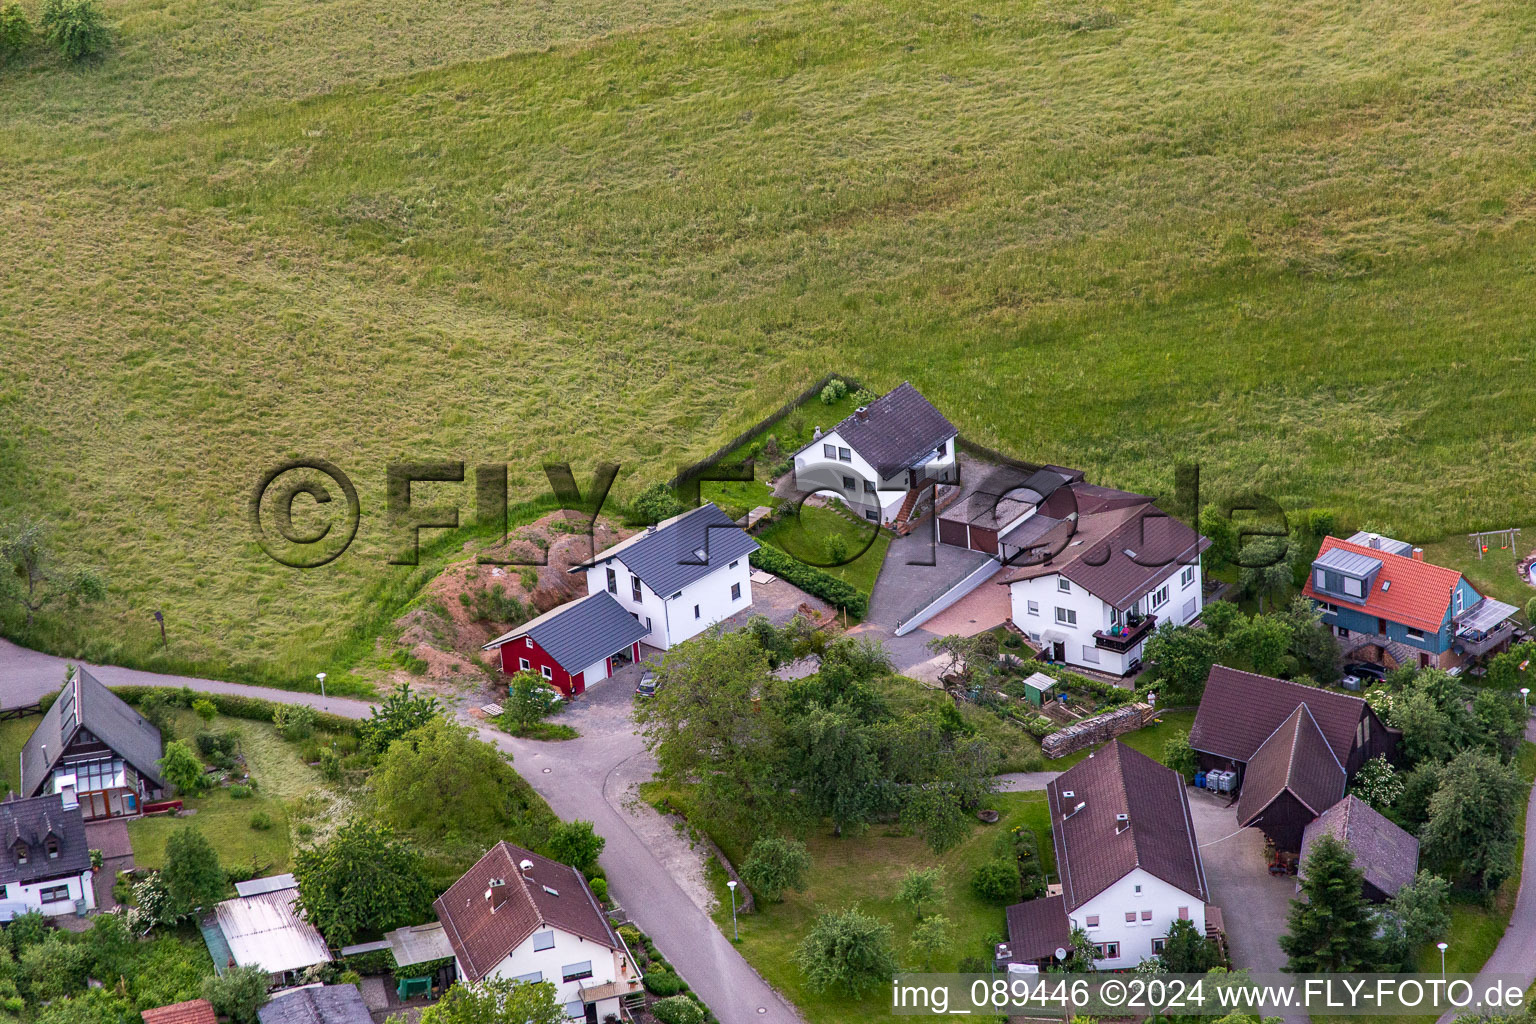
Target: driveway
x,y
1254,903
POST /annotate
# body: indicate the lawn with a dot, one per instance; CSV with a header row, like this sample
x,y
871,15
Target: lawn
x,y
288,791
821,536
866,871
1288,240
1493,574
13,736
1148,740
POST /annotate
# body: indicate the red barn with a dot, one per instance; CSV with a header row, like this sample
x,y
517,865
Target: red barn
x,y
576,644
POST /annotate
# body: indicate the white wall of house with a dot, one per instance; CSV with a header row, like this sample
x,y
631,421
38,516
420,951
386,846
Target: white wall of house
x,y
62,893
567,951
1155,907
671,617
847,477
1035,603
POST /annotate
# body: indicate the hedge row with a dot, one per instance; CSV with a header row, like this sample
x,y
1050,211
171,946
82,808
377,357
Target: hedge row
x,y
811,580
254,709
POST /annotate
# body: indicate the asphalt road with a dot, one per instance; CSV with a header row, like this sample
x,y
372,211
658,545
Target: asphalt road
x,y
587,778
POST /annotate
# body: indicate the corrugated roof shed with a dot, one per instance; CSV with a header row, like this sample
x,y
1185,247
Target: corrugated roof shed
x,y
266,929
271,883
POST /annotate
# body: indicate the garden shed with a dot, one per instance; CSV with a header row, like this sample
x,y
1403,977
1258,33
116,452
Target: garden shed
x,y
1038,688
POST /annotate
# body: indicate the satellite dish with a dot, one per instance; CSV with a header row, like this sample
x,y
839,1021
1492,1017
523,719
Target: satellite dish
x,y
1061,953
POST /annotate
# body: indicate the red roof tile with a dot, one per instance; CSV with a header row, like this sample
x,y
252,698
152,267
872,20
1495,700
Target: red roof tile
x,y
1419,596
193,1011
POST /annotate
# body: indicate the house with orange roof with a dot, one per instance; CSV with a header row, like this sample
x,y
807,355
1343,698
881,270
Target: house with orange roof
x,y
1387,605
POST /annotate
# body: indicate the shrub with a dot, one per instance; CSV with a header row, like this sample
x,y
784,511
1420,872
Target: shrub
x,y
655,503
238,993
205,709
677,1010
75,27
330,764
833,392
774,865
293,721
600,889
575,843
811,580
261,821
15,30
997,881
182,768
663,983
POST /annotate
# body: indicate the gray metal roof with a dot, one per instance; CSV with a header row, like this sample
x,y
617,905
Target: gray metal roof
x,y
580,633
272,883
680,550
419,944
1375,540
317,1004
32,821
1351,563
85,703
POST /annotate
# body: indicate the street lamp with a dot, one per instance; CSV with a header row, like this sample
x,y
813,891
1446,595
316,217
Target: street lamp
x,y
1442,946
321,676
1525,698
734,927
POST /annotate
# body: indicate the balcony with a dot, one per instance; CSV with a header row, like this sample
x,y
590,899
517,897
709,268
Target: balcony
x,y
1474,643
1130,635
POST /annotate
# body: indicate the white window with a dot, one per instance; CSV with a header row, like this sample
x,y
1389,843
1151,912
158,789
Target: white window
x,y
531,979
1130,917
735,591
869,487
1093,920
1353,587
939,451
1109,950
1189,609
1090,654
870,514
1034,607
613,581
1159,944
528,642
695,611
1320,579
1415,634
734,564
1066,616
1187,576
1146,917
634,587
1138,890
522,663
1459,600
844,455
1063,584
829,451
544,671
543,940
1159,598
576,972
647,623
54,894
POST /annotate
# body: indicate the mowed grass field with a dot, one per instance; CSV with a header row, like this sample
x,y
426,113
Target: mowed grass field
x,y
1291,241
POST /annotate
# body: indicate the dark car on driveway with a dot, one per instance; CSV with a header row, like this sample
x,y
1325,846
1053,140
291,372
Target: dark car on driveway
x,y
1366,670
647,685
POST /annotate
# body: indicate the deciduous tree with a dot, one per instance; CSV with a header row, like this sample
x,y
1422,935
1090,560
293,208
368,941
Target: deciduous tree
x,y
576,843
362,880
238,993
192,875
442,778
497,1001
776,865
846,950
31,574
1473,826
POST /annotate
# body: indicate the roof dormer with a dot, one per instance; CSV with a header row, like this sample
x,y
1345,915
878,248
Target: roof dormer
x,y
1345,574
21,850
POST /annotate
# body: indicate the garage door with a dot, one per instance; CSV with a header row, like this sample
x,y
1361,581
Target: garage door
x,y
952,533
984,540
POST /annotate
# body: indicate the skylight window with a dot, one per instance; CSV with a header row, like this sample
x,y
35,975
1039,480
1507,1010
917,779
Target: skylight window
x,y
552,892
1386,585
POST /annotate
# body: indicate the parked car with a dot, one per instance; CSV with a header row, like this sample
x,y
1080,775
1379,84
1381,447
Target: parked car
x,y
647,685
1365,670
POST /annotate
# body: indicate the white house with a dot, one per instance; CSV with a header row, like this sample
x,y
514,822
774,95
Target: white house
x,y
679,577
1127,859
1090,586
46,862
518,915
883,457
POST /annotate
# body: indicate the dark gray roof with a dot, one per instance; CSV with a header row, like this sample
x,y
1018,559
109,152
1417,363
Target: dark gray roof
x,y
672,555
31,821
1037,929
1347,561
580,633
896,430
1388,855
85,703
318,1004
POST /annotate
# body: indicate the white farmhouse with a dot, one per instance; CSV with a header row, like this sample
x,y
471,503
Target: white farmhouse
x,y
679,577
521,916
1093,571
1128,862
882,458
46,863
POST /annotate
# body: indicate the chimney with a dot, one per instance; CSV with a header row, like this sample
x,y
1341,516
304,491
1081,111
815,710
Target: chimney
x,y
1418,554
650,527
861,413
816,434
526,867
70,800
496,894
1374,540
1122,822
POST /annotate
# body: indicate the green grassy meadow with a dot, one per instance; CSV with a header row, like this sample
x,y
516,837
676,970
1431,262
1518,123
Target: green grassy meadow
x,y
1290,241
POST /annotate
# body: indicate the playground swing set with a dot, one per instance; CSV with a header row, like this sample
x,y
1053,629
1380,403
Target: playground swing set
x,y
1508,540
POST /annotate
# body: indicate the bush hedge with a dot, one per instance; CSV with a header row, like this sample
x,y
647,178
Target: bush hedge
x,y
811,580
253,709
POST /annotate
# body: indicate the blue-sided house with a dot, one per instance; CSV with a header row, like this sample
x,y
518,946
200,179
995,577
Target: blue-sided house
x,y
1387,605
